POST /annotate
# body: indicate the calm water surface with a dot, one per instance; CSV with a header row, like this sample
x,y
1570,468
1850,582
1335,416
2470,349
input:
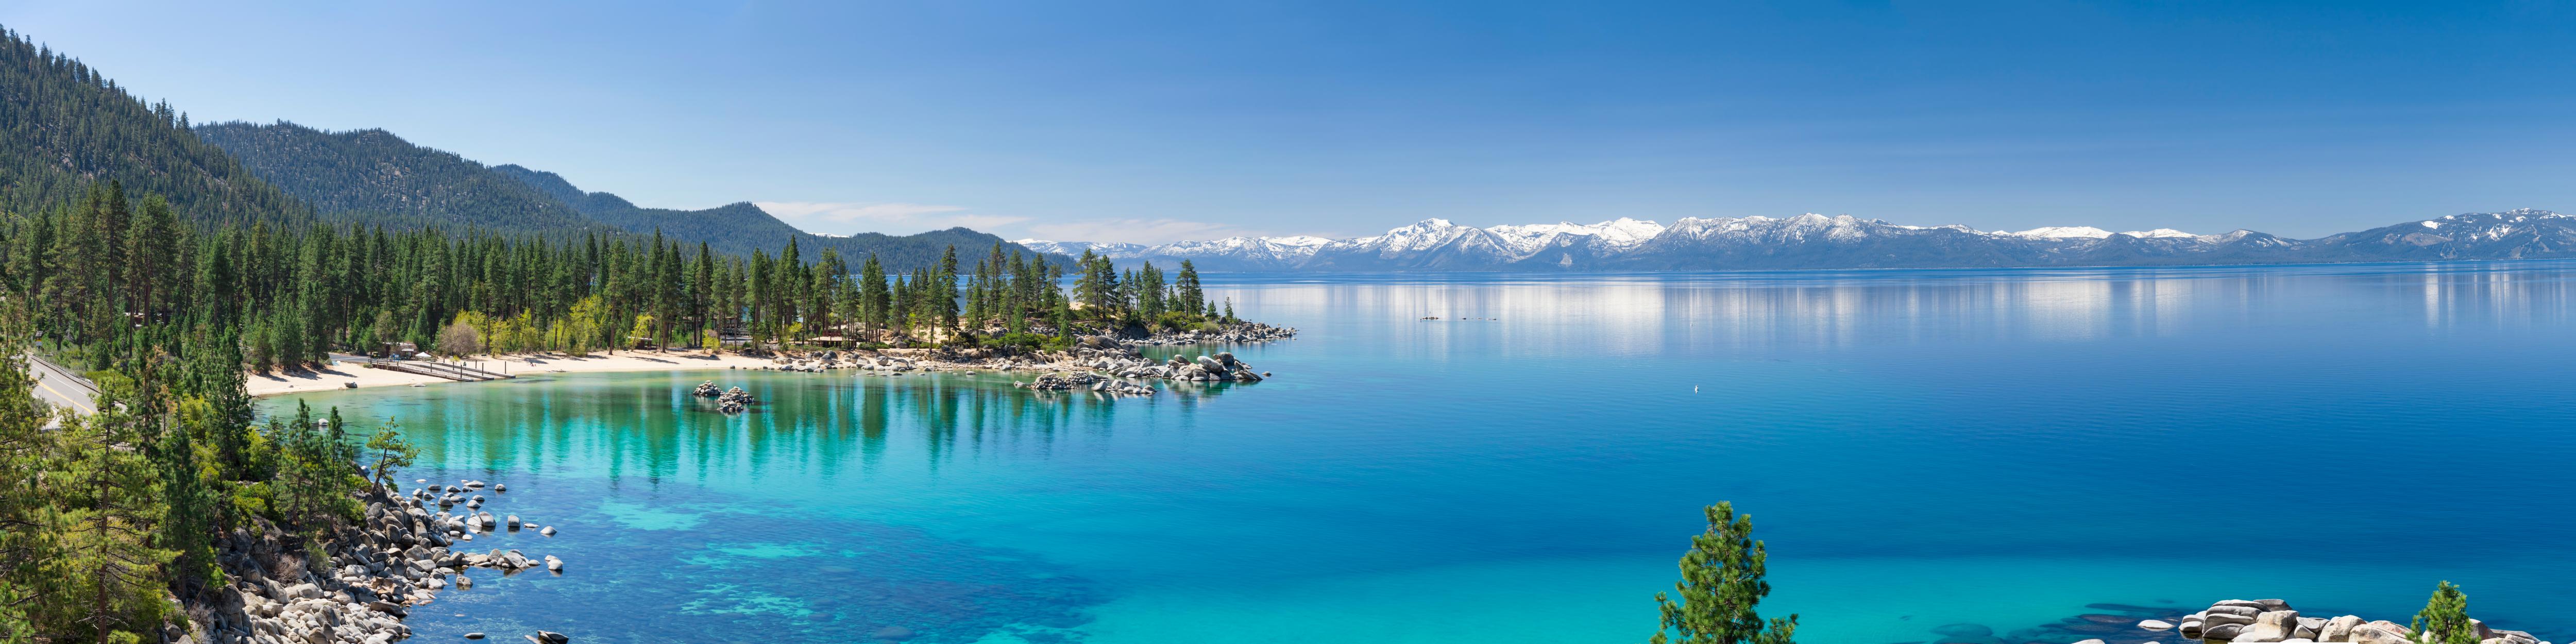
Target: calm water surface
x,y
1921,449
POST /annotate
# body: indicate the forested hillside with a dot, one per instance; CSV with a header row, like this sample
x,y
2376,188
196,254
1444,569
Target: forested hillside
x,y
366,173
380,175
64,126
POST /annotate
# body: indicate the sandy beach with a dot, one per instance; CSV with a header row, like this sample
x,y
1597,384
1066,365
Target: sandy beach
x,y
336,376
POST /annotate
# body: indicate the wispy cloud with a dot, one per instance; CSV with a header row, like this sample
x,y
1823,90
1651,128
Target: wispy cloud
x,y
1136,231
835,218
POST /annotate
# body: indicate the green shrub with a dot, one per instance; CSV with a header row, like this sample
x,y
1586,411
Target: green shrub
x,y
255,500
1032,342
1179,321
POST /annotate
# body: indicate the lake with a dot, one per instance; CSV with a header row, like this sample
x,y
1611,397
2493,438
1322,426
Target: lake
x,y
1926,453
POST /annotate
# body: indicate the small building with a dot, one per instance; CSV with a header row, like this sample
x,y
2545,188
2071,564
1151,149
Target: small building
x,y
397,350
830,341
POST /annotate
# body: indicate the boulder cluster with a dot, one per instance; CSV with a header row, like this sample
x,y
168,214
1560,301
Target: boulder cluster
x,y
1107,365
2272,620
707,389
887,364
1109,355
818,362
1086,380
734,401
366,579
1236,332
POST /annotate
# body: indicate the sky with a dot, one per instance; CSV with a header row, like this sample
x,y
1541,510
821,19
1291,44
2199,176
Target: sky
x,y
1154,122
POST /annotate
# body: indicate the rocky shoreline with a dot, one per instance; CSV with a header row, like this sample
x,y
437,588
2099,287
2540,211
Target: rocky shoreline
x,y
2232,620
367,578
2272,620
1103,364
1237,333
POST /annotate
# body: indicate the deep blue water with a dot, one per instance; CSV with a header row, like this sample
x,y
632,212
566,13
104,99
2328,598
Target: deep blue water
x,y
1920,450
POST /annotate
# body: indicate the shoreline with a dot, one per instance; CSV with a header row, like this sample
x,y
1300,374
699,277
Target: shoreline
x,y
1104,357
335,376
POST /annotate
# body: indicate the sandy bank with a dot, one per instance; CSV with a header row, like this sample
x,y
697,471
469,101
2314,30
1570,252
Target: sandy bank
x,y
335,376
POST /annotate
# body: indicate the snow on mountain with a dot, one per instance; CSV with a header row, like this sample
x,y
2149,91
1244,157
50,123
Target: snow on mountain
x,y
1622,233
1842,241
1112,249
2513,234
2064,232
2089,232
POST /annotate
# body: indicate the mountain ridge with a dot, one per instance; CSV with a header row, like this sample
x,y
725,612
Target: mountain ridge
x,y
1814,241
375,172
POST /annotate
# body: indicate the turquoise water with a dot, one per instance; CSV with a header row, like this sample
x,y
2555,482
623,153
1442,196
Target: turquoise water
x,y
1922,450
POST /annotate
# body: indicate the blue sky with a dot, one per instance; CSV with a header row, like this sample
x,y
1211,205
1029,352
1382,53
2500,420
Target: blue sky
x,y
1153,122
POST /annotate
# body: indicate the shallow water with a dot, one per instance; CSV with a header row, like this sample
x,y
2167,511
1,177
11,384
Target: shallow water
x,y
1926,453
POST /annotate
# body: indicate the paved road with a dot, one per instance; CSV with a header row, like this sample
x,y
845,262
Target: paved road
x,y
62,388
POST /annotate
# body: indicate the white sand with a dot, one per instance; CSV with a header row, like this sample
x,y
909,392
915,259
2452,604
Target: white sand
x,y
334,376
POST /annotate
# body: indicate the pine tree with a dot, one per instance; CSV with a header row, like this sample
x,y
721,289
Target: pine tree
x,y
1149,293
390,451
214,376
152,248
1063,319
1720,587
104,569
943,290
1089,287
27,511
977,292
701,292
786,279
1186,286
2445,618
899,313
873,298
188,523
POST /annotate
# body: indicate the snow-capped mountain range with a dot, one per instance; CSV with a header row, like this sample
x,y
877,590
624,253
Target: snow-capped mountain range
x,y
1819,241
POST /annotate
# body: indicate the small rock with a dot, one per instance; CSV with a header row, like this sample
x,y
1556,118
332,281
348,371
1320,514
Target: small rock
x,y
2309,628
2377,634
2271,626
2227,615
473,636
2155,625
